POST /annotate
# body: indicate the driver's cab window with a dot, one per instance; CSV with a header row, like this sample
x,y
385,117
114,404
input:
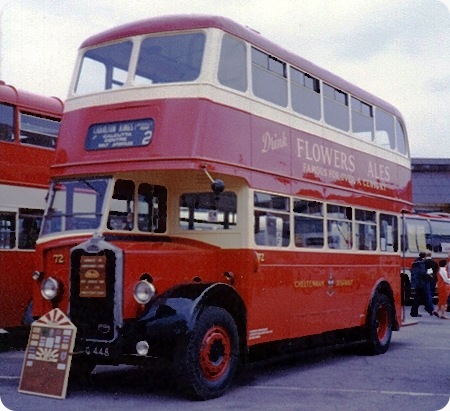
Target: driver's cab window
x,y
152,208
121,213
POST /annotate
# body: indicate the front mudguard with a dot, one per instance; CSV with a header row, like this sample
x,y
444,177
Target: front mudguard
x,y
172,316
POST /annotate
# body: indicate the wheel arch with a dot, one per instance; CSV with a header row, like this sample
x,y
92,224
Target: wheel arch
x,y
383,287
178,309
223,296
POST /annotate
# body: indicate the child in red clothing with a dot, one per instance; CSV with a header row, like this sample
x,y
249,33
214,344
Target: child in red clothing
x,y
443,289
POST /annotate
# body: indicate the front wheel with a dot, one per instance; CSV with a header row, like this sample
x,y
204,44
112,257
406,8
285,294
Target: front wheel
x,y
80,369
379,325
209,360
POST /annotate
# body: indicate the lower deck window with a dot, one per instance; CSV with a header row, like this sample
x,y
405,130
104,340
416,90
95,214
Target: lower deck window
x,y
30,222
7,230
21,232
308,224
208,211
339,224
271,222
366,230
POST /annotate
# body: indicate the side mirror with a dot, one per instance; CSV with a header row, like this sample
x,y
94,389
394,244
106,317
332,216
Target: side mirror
x,y
217,186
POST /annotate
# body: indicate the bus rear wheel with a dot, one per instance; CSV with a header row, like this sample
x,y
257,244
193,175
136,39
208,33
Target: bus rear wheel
x,y
209,360
379,325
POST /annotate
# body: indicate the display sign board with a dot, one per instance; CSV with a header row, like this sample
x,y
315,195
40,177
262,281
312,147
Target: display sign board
x,y
48,356
120,134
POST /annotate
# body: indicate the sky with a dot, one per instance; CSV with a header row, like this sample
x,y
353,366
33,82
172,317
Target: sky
x,y
398,50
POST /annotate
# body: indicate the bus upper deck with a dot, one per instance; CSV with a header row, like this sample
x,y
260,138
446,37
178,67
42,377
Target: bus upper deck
x,y
161,92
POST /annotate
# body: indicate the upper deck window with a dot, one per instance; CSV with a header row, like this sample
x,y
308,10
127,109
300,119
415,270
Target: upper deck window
x,y
104,68
335,106
305,94
233,64
170,58
38,131
269,78
384,129
6,123
400,137
362,120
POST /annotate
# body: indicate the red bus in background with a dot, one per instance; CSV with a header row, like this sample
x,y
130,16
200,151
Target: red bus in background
x,y
29,126
423,232
214,195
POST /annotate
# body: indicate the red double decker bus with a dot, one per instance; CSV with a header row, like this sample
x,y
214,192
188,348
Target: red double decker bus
x,y
213,195
29,125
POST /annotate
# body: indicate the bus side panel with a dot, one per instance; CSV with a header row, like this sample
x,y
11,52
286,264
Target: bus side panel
x,y
300,294
22,165
15,293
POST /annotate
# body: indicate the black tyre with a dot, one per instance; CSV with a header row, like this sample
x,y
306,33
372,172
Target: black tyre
x,y
208,361
80,369
379,325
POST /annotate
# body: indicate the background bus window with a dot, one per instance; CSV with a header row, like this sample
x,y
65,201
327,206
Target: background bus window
x,y
29,226
335,107
6,123
271,220
305,94
308,224
38,131
152,208
7,230
233,64
418,235
366,230
339,227
269,80
440,239
362,120
388,233
384,129
208,211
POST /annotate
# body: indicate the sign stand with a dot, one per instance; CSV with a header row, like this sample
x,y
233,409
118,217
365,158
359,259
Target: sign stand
x,y
48,356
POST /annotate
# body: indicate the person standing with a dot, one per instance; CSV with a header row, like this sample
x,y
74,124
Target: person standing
x,y
421,280
432,269
443,289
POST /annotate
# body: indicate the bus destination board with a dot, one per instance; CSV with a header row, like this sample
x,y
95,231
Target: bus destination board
x,y
120,134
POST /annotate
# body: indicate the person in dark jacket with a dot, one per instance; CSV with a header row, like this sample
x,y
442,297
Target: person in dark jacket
x,y
422,280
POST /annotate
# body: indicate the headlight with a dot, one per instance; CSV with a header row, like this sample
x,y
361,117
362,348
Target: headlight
x,y
144,291
50,288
